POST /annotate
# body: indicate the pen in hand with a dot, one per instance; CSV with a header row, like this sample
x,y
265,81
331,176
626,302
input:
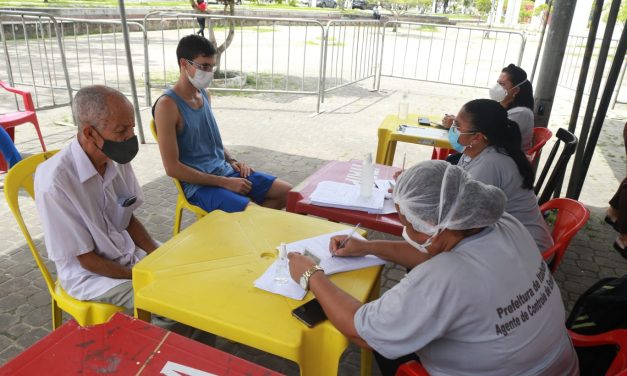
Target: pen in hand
x,y
343,243
404,160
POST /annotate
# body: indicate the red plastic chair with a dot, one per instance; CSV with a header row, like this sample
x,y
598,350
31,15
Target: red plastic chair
x,y
571,216
441,153
10,120
540,137
616,337
411,368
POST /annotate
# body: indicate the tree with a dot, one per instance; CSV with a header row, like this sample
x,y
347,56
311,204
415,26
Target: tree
x,y
484,7
400,7
229,6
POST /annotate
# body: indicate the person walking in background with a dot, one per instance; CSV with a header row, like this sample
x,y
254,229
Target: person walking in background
x,y
616,214
7,149
200,6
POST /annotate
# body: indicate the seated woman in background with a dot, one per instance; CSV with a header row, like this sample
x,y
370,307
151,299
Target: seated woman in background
x,y
491,153
479,299
515,93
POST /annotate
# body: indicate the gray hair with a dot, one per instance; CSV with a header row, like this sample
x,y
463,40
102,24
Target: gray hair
x,y
90,105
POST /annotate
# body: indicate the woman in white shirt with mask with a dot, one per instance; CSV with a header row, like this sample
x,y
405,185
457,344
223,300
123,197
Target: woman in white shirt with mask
x,y
515,93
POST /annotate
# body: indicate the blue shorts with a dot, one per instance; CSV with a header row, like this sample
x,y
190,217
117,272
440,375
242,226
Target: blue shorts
x,y
212,198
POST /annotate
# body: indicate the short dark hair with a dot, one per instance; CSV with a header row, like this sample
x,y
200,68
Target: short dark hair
x,y
192,46
490,118
516,75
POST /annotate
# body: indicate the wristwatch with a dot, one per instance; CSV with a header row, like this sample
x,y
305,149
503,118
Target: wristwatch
x,y
304,279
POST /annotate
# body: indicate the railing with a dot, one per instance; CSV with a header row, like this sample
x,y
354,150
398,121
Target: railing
x,y
86,52
277,55
447,54
350,53
272,55
571,67
32,45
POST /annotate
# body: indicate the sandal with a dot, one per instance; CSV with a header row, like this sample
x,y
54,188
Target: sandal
x,y
609,221
620,248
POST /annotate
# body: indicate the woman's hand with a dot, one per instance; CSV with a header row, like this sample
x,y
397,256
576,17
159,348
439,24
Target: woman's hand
x,y
353,247
447,121
299,264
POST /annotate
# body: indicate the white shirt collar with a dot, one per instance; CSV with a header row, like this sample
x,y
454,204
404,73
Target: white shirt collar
x,y
85,168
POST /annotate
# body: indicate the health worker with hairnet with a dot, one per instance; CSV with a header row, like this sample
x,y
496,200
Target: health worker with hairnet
x,y
479,299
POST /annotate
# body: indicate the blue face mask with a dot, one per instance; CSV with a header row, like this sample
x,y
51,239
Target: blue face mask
x,y
453,138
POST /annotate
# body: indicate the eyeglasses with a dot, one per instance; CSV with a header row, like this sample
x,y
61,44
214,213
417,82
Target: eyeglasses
x,y
203,67
456,126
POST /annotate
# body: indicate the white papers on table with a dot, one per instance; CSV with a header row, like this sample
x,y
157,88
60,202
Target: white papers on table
x,y
319,246
346,196
433,133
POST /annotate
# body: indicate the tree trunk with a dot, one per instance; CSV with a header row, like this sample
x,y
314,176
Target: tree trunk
x,y
229,6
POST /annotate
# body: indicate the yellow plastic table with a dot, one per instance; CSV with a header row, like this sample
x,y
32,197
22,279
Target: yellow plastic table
x,y
203,277
389,135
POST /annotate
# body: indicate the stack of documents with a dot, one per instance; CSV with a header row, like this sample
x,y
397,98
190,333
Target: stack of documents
x,y
318,246
423,132
346,196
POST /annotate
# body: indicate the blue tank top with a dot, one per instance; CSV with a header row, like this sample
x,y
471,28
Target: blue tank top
x,y
200,144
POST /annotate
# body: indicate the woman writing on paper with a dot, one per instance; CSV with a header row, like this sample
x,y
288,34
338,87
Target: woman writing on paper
x,y
455,309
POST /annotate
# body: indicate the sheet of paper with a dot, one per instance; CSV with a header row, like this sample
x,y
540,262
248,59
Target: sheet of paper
x,y
388,207
426,132
346,196
385,184
318,246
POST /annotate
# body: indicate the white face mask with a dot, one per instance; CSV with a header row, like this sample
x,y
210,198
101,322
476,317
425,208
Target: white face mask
x,y
420,247
498,93
201,79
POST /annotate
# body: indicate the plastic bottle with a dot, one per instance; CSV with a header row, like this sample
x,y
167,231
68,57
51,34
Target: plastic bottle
x,y
282,274
403,106
367,177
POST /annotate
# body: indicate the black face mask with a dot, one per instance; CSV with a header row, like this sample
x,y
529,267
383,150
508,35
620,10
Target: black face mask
x,y
121,152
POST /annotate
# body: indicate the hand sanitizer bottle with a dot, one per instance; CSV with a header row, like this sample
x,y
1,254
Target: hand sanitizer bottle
x,y
367,177
282,272
403,107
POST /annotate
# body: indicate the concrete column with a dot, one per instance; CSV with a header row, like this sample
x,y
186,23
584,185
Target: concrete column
x,y
548,75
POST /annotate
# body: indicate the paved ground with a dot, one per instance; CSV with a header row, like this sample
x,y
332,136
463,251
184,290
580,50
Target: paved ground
x,y
280,134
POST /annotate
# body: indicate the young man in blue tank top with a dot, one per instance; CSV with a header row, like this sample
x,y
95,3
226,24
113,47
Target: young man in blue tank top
x,y
191,146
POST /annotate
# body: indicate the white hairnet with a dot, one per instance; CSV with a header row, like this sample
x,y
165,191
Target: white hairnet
x,y
434,195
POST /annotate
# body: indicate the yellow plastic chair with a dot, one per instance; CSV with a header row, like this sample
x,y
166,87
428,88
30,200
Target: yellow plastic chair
x,y
181,200
84,312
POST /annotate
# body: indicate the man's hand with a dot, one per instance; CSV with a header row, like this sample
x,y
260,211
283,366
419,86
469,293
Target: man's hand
x,y
243,169
299,264
238,185
353,247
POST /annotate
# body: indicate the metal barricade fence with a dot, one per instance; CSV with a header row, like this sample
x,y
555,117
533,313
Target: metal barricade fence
x,y
571,67
273,55
86,52
34,56
447,54
351,52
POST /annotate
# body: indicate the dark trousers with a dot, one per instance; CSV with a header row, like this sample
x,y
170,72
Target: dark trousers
x,y
619,202
201,23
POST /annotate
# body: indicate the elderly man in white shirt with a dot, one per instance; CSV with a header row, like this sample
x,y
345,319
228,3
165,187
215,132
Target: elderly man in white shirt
x,y
86,195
